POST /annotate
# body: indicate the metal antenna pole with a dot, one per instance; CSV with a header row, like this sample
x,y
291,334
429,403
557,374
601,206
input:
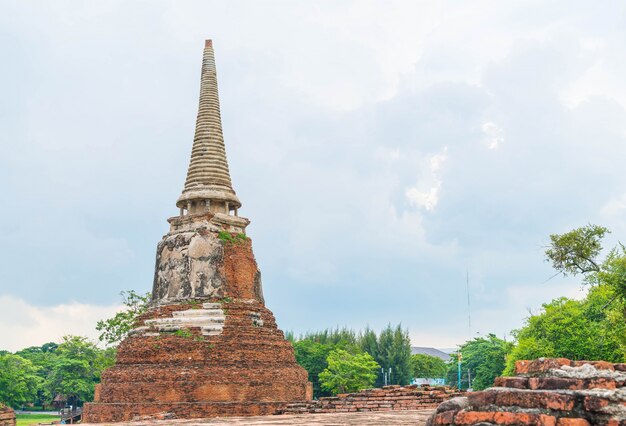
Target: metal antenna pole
x,y
469,310
459,370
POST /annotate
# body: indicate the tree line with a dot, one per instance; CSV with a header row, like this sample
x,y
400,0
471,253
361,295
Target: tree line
x,y
66,372
342,360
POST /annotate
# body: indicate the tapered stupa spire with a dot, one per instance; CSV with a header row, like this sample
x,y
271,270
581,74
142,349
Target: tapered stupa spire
x,y
208,186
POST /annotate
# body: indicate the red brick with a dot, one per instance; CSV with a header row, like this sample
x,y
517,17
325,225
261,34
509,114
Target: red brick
x,y
511,382
445,418
601,383
595,403
572,422
470,417
551,383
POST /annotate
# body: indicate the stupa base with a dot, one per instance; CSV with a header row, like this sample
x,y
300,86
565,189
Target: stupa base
x,y
96,412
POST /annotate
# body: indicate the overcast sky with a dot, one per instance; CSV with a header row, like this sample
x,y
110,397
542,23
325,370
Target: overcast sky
x,y
382,150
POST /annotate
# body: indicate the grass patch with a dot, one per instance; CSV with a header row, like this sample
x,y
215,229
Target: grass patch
x,y
184,332
33,419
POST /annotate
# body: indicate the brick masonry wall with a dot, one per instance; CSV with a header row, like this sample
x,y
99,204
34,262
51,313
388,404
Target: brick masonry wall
x,y
7,416
388,398
545,392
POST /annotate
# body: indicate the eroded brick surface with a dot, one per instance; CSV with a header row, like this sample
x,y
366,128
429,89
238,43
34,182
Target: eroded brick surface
x,y
546,392
7,416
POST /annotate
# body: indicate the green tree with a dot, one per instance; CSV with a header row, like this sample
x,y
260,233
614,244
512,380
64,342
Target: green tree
x,y
43,358
394,351
347,372
114,330
484,357
428,366
76,370
574,329
368,342
312,356
578,252
18,380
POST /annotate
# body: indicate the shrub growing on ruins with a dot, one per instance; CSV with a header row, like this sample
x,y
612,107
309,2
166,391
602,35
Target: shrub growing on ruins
x,y
347,372
114,330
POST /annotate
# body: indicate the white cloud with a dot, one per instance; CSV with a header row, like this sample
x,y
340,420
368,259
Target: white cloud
x,y
494,135
23,325
425,194
615,207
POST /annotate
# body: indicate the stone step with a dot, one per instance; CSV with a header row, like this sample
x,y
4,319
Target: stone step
x,y
212,305
199,313
176,327
190,321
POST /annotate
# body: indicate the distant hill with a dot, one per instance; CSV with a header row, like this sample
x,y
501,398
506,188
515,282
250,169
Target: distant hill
x,y
430,351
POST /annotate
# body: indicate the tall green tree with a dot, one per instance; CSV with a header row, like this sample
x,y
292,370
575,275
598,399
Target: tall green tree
x,y
18,380
428,366
368,342
484,357
394,351
347,372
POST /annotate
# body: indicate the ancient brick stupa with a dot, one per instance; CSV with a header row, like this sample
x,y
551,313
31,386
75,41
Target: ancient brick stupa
x,y
207,346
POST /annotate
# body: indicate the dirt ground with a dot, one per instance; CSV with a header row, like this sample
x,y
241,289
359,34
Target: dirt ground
x,y
415,418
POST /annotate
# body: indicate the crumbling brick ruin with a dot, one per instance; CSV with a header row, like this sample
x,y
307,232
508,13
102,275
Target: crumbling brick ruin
x,y
387,398
545,392
7,416
207,346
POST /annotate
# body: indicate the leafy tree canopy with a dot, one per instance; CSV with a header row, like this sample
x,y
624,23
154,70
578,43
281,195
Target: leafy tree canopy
x,y
347,372
428,366
574,329
18,380
484,357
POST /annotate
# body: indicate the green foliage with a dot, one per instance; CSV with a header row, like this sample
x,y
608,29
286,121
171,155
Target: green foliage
x,y
576,251
347,372
368,342
428,366
18,380
485,357
231,238
342,337
312,356
573,329
394,351
313,348
184,333
77,369
113,330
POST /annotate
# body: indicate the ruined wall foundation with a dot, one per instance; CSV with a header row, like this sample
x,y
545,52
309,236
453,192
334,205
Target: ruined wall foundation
x,y
387,398
545,392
